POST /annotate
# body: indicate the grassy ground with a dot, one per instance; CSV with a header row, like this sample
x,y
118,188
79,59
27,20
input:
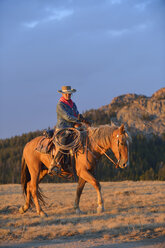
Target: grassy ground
x,y
133,211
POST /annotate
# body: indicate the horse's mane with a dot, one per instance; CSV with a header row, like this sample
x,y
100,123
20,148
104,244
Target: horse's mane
x,y
102,134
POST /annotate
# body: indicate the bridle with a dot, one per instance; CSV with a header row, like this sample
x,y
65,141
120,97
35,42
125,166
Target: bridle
x,y
118,142
118,161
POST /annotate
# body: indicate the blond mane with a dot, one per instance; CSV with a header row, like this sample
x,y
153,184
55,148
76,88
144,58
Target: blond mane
x,y
102,134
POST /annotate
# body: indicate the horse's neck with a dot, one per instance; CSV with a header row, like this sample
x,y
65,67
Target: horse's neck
x,y
99,146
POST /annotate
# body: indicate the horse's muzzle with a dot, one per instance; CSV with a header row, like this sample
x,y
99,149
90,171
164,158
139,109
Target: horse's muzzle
x,y
122,164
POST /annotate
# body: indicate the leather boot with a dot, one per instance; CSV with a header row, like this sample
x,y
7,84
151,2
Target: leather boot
x,y
55,164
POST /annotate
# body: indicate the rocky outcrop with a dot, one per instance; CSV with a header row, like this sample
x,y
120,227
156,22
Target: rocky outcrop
x,y
140,113
160,94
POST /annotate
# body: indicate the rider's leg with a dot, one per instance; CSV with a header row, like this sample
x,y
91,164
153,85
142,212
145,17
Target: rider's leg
x,y
59,156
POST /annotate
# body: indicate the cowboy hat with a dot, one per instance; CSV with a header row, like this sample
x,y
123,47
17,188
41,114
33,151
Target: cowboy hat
x,y
66,90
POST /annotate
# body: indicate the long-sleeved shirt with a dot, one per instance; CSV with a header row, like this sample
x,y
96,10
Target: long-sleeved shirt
x,y
66,116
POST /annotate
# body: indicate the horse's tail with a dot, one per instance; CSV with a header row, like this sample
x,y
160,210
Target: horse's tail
x,y
25,178
25,175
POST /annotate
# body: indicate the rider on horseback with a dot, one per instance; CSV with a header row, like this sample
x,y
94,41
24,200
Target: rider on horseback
x,y
67,116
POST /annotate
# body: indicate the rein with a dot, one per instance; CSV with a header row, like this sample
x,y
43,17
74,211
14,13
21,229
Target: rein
x,y
116,165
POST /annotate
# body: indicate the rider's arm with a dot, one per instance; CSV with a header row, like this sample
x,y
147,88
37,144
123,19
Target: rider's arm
x,y
75,109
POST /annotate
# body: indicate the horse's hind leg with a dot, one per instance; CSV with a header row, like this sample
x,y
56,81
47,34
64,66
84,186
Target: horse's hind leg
x,y
80,187
24,208
34,192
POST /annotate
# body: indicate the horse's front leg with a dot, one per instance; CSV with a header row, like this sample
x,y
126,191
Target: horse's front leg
x,y
100,207
80,187
87,176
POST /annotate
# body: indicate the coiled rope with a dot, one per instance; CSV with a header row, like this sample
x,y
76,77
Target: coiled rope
x,y
74,140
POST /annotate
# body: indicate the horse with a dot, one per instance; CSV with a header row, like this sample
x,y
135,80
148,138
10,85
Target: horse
x,y
99,139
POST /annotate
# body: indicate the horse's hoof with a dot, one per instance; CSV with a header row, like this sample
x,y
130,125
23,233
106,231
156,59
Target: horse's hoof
x,y
21,210
100,209
78,211
42,214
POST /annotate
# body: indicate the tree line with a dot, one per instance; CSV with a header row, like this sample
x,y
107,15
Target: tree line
x,y
147,157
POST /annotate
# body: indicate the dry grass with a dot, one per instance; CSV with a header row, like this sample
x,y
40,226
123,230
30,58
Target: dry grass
x,y
133,211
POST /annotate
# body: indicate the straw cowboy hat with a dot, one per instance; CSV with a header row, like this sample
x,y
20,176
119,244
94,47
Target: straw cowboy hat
x,y
66,90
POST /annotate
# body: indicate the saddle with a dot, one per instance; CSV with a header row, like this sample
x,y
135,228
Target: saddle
x,y
45,145
66,159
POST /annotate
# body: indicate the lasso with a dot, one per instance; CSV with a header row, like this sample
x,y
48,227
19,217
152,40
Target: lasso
x,y
75,143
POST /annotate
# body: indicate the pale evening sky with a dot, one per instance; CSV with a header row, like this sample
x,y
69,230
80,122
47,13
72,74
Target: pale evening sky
x,y
103,48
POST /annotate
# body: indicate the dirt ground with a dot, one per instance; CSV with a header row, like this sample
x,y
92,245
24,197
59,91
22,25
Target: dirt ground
x,y
134,217
88,243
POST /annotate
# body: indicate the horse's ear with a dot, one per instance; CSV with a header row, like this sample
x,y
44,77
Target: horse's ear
x,y
122,129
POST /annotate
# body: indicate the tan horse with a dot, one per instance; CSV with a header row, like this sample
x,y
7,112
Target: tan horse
x,y
100,139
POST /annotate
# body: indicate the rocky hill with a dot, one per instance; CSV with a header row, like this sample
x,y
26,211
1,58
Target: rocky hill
x,y
140,113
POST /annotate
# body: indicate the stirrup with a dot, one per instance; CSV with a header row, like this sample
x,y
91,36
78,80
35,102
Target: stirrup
x,y
54,169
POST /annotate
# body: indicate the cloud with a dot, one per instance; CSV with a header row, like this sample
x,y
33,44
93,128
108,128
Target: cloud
x,y
116,33
141,27
58,14
121,32
32,24
142,6
53,15
115,2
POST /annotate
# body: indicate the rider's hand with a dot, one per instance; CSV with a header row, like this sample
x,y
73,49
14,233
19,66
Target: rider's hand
x,y
87,121
80,117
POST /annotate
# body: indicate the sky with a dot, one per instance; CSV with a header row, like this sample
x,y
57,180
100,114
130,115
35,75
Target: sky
x,y
102,48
